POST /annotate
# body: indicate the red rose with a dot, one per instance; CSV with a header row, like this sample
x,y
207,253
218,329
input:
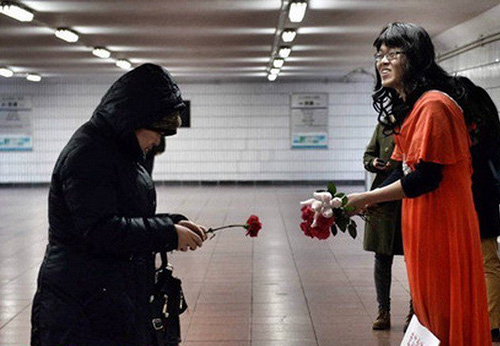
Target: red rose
x,y
324,222
321,234
308,217
307,213
323,225
253,226
306,228
326,202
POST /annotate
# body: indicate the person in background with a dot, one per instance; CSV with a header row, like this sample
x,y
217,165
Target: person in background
x,y
383,225
486,131
97,276
422,106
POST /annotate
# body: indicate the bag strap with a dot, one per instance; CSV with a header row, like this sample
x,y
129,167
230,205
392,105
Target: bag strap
x,y
158,326
164,260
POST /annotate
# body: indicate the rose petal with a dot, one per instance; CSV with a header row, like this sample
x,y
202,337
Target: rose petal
x,y
321,233
305,227
307,213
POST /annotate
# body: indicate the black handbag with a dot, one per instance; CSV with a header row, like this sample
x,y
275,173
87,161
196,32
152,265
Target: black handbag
x,y
167,303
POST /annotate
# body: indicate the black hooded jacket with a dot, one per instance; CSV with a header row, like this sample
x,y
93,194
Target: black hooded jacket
x,y
96,278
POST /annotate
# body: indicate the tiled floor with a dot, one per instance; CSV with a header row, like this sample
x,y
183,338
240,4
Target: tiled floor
x,y
279,289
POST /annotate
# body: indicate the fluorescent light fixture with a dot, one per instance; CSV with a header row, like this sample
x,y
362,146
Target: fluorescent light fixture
x,y
278,63
15,11
66,35
6,72
284,52
33,77
124,64
288,35
274,71
272,77
297,11
101,52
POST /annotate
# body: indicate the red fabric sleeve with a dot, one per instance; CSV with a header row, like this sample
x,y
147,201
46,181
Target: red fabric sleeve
x,y
436,131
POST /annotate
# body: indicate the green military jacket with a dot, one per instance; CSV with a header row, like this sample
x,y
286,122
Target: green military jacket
x,y
383,224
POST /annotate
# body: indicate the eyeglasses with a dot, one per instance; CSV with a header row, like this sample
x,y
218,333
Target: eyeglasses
x,y
389,56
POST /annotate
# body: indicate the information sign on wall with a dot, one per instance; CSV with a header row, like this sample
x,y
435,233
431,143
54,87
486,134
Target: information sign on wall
x,y
309,120
15,123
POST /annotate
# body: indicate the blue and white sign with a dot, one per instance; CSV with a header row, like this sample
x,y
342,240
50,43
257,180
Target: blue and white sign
x,y
309,121
309,140
15,123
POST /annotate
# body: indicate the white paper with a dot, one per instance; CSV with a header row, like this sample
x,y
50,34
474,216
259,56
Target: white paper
x,y
418,335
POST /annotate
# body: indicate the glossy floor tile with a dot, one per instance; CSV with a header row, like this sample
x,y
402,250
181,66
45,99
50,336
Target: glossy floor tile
x,y
279,289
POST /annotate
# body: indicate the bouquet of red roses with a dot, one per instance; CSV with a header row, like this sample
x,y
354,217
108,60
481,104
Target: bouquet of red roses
x,y
326,213
253,226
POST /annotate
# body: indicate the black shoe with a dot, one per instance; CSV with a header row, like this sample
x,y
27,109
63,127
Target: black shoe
x,y
383,320
495,335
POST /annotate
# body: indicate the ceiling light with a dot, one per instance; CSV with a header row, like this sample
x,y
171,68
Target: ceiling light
x,y
278,62
33,77
6,72
284,52
272,77
124,64
297,11
101,52
66,35
274,71
15,11
288,35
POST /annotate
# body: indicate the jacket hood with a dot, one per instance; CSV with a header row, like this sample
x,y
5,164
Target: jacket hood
x,y
139,98
136,100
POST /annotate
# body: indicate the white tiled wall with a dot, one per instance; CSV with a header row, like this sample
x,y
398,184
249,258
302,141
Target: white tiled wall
x,y
481,66
239,132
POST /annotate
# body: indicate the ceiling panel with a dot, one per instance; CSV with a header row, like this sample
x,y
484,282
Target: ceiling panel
x,y
214,40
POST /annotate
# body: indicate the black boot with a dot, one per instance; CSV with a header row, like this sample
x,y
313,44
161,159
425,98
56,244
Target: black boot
x,y
383,320
495,335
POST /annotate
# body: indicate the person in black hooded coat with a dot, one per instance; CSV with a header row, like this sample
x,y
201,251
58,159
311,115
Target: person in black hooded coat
x,y
97,275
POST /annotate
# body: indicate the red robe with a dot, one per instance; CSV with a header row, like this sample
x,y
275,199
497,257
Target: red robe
x,y
440,229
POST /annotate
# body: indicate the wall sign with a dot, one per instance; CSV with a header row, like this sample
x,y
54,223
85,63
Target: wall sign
x,y
309,121
15,123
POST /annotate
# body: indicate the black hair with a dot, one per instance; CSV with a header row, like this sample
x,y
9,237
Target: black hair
x,y
421,73
478,104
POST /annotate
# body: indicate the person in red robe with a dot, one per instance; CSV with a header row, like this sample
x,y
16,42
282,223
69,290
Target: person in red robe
x,y
425,108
